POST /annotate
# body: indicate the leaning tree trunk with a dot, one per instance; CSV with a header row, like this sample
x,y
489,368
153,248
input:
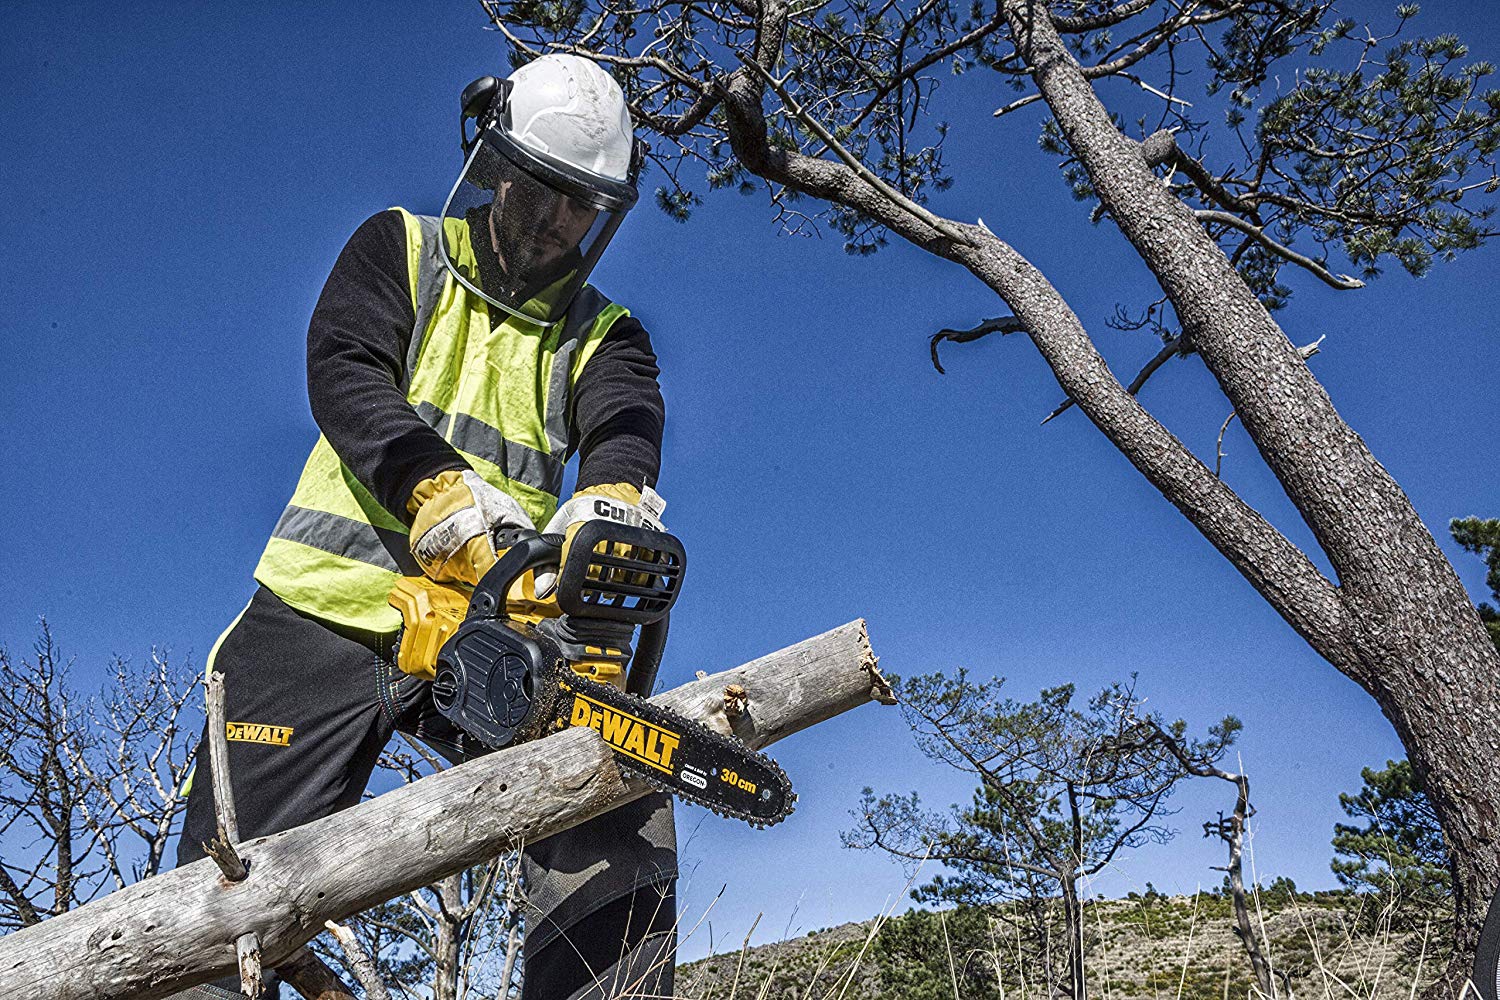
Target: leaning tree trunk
x,y
1410,635
1073,924
178,929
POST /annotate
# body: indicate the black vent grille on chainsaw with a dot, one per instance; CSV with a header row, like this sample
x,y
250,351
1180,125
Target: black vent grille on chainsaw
x,y
630,575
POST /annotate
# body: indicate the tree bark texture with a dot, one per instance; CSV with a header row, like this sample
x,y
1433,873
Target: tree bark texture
x,y
178,929
449,941
1409,633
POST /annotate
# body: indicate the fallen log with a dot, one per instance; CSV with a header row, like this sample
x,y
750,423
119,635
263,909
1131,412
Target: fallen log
x,y
179,928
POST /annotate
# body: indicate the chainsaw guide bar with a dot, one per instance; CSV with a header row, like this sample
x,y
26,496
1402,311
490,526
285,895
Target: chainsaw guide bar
x,y
678,755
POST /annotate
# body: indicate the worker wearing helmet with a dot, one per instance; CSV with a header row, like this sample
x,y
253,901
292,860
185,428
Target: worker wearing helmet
x,y
455,364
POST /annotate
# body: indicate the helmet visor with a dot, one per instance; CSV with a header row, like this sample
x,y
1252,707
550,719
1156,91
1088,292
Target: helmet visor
x,y
519,242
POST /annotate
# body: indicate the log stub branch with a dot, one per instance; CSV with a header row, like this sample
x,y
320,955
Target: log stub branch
x,y
247,950
221,849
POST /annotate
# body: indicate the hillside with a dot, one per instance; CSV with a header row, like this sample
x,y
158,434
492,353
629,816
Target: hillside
x,y
1145,947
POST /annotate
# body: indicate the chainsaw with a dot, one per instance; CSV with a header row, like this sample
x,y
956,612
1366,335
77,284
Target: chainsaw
x,y
505,674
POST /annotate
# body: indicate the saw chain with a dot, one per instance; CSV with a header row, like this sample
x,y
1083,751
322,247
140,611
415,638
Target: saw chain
x,y
505,679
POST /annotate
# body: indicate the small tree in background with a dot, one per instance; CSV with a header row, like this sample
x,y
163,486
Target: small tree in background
x,y
1483,539
937,956
1394,849
1064,790
90,787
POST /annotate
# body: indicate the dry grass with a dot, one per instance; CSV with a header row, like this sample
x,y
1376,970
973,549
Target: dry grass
x,y
1321,947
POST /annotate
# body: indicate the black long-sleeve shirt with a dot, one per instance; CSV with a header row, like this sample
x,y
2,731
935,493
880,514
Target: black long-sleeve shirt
x,y
356,358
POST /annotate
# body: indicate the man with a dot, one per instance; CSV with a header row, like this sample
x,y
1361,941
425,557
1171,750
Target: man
x,y
454,365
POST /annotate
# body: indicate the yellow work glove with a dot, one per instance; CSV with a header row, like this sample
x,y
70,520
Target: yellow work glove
x,y
430,614
618,502
455,516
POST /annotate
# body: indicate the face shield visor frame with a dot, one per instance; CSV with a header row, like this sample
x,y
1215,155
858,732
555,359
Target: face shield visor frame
x,y
535,226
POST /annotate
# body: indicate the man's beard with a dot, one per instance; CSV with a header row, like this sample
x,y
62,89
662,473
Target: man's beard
x,y
524,273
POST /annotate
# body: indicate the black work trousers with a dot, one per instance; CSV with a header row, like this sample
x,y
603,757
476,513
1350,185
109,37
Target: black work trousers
x,y
309,705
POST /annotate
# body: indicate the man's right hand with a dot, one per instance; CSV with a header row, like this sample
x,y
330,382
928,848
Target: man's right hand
x,y
455,517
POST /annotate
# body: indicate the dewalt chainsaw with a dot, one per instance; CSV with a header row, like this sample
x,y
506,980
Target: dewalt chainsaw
x,y
511,666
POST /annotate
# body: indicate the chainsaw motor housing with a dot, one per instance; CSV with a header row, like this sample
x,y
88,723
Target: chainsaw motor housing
x,y
507,674
497,681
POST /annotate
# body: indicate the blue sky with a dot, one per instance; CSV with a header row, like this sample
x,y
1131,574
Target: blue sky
x,y
179,179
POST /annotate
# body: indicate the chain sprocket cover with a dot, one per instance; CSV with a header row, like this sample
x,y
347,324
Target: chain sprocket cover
x,y
498,682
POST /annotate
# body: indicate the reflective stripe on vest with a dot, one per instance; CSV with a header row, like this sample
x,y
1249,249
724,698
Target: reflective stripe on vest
x,y
499,394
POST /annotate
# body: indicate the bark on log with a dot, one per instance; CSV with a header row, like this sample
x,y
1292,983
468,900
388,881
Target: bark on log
x,y
178,929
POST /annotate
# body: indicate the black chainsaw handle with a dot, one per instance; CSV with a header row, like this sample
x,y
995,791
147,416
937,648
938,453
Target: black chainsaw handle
x,y
640,679
528,550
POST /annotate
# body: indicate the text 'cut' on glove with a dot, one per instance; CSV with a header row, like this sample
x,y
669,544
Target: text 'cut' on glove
x,y
455,517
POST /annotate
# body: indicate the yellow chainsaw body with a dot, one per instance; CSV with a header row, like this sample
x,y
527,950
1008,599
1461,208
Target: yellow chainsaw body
x,y
432,612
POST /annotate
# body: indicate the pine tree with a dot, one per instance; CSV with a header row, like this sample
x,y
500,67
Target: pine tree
x,y
1483,539
1394,850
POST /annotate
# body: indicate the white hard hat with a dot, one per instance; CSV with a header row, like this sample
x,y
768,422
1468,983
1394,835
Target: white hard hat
x,y
570,109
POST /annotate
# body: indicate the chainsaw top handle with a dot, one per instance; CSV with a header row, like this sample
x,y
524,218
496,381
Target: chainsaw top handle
x,y
617,572
527,550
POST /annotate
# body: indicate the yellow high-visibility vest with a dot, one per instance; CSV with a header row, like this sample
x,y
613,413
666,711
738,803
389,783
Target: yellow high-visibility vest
x,y
498,392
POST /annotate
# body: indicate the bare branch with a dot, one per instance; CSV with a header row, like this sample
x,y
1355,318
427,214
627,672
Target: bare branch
x,y
359,961
1219,447
943,226
1016,105
1120,12
1000,324
218,749
222,848
1340,281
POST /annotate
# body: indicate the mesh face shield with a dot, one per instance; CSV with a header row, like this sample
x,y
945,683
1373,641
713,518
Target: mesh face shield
x,y
533,227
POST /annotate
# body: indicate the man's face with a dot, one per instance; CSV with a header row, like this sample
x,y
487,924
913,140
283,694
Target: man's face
x,y
531,236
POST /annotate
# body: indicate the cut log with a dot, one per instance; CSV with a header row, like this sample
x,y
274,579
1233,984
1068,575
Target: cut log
x,y
178,929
